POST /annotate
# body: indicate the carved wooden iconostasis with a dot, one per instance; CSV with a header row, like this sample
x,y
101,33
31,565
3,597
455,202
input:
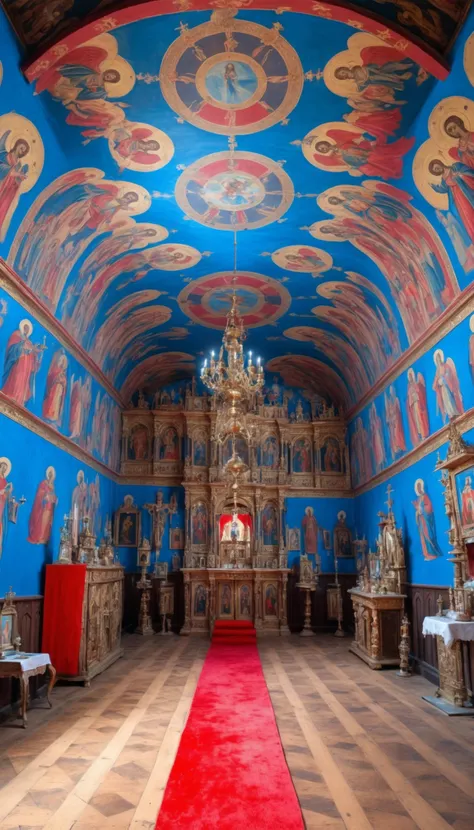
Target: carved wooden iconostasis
x,y
298,467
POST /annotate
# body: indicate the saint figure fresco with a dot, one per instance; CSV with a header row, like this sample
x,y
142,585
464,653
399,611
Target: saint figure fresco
x,y
22,361
42,512
417,408
302,456
270,601
270,453
200,598
310,532
199,524
393,415
331,456
377,439
56,389
467,502
169,448
270,525
138,443
6,488
446,387
425,520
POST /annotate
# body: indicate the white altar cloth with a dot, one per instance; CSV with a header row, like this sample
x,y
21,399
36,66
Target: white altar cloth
x,y
449,630
27,662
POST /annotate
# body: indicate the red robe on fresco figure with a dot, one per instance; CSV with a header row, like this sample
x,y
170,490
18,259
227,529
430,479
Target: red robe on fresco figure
x,y
22,361
42,512
56,388
417,408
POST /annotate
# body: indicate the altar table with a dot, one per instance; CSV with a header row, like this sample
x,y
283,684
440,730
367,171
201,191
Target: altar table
x,y
23,666
452,695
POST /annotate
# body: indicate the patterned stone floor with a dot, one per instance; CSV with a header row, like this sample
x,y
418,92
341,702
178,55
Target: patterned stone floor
x,y
364,750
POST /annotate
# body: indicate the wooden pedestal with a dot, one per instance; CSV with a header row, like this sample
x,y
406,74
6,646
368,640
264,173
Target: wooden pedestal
x,y
377,620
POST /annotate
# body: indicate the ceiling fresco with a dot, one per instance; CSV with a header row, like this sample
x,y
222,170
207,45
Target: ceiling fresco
x,y
265,153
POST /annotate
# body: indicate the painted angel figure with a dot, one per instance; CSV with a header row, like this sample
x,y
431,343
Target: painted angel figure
x,y
457,182
361,154
417,408
133,144
380,66
12,173
449,401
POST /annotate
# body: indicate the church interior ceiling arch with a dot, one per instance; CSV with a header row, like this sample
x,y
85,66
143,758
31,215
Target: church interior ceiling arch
x,y
198,149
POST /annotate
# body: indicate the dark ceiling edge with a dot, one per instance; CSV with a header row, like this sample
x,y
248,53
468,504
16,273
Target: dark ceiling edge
x,y
19,291
407,44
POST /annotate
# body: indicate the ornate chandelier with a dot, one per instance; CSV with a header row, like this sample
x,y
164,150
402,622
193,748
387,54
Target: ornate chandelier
x,y
233,382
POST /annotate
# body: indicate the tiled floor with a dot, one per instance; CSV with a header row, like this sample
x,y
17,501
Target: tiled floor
x,y
364,750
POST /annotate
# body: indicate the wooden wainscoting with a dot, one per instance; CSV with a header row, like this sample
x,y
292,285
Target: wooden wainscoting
x,y
30,614
131,605
319,616
421,603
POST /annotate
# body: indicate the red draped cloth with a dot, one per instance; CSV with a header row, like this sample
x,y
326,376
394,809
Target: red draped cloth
x,y
245,518
62,624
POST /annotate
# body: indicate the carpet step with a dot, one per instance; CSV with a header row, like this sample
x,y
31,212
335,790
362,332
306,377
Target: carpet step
x,y
249,637
233,624
237,641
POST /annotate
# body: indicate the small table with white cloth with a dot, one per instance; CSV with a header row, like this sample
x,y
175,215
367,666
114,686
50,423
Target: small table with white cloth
x,y
23,666
452,696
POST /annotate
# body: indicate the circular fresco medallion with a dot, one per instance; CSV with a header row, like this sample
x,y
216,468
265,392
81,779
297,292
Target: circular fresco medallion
x,y
234,191
207,300
231,77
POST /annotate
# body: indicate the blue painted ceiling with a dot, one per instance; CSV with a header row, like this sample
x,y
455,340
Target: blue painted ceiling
x,y
201,146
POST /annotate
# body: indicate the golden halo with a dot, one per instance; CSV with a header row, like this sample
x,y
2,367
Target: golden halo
x,y
144,198
50,470
161,234
165,151
8,464
423,177
19,127
28,323
350,57
279,257
319,133
107,42
454,105
187,250
127,77
469,58
80,476
230,57
471,323
315,230
440,353
419,482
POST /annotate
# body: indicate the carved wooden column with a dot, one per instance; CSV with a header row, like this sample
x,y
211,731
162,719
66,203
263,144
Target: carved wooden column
x,y
258,602
212,601
281,511
186,629
258,520
375,635
284,605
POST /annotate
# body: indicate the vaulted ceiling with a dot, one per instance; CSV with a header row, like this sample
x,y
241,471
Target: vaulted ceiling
x,y
266,151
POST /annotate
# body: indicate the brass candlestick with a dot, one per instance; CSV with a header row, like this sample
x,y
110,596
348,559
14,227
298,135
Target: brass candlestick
x,y
307,583
339,631
144,585
404,648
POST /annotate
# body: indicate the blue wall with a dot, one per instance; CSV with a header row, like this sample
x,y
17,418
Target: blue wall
x,y
146,494
22,563
325,512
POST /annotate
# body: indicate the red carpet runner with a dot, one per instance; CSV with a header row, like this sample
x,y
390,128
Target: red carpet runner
x,y
230,771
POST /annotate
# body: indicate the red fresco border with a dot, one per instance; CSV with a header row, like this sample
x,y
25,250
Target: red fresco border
x,y
58,330
394,36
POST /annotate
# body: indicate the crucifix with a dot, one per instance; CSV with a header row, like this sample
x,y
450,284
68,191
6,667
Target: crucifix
x,y
389,501
159,511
